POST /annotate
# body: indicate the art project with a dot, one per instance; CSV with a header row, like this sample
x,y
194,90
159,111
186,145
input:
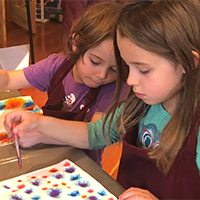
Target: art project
x,y
23,102
64,180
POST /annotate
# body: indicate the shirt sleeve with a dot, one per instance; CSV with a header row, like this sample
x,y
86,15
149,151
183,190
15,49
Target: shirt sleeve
x,y
39,75
95,134
198,152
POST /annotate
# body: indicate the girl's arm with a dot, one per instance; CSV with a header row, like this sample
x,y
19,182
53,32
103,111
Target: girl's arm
x,y
13,80
33,138
72,133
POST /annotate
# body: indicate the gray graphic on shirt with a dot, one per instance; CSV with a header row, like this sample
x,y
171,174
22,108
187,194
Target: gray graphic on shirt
x,y
149,136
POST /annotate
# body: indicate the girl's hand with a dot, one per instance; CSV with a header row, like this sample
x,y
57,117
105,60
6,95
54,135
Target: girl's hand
x,y
30,139
25,122
137,194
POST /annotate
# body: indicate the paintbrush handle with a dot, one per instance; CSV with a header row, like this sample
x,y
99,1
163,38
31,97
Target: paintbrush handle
x,y
15,136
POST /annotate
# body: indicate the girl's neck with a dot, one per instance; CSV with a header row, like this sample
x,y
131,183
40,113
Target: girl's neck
x,y
171,104
76,75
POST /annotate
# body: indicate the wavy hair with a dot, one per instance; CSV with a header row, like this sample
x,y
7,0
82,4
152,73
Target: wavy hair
x,y
94,26
173,33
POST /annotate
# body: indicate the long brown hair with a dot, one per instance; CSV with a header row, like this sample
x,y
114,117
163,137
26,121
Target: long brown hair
x,y
94,26
171,29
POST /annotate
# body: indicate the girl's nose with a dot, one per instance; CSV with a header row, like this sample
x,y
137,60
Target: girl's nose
x,y
101,74
132,79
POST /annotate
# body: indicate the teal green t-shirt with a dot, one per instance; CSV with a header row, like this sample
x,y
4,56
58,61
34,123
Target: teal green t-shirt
x,y
150,128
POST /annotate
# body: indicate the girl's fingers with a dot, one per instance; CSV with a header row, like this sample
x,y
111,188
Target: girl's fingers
x,y
137,194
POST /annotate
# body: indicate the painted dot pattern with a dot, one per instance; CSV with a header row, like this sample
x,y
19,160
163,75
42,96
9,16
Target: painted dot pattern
x,y
64,180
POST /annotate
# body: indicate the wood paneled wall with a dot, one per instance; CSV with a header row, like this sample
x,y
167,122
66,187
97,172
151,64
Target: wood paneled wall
x,y
2,24
15,11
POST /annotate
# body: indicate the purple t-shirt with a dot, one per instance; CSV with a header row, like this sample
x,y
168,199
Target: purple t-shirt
x,y
40,74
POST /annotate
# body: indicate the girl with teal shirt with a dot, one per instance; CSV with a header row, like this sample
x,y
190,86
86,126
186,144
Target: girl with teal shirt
x,y
159,42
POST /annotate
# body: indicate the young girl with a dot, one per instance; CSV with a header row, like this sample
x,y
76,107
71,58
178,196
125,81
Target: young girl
x,y
159,122
80,86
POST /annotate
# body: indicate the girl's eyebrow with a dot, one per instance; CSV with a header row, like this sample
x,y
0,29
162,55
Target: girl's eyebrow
x,y
139,63
96,56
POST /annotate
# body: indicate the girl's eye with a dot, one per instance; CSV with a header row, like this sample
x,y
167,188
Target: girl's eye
x,y
144,72
113,69
94,63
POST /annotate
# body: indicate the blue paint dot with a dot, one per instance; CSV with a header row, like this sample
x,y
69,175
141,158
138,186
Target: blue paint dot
x,y
36,197
102,193
74,194
28,103
74,177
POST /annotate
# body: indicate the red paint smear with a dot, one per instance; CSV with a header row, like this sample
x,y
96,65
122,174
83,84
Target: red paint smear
x,y
20,165
68,187
19,181
64,183
66,164
14,190
48,181
111,198
55,185
90,190
53,170
21,186
44,188
33,176
4,137
45,176
84,196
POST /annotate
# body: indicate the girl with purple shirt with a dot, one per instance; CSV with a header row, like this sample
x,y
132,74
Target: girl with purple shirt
x,y
81,84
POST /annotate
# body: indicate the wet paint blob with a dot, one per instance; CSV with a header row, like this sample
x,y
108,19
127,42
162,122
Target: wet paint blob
x,y
102,193
21,186
69,169
28,103
90,190
54,192
66,164
53,170
16,197
36,182
92,198
83,183
58,176
74,194
75,177
36,197
7,187
28,191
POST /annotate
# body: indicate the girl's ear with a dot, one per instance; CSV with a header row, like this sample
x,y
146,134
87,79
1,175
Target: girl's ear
x,y
74,47
196,58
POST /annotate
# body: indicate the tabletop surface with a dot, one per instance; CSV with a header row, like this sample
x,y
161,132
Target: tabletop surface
x,y
42,156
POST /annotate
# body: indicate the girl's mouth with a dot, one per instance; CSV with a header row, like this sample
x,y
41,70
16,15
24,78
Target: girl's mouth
x,y
139,95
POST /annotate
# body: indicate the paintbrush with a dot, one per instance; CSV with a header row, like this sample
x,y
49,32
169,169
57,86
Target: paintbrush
x,y
15,136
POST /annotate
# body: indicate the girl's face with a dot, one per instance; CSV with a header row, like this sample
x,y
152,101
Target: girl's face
x,y
152,77
98,65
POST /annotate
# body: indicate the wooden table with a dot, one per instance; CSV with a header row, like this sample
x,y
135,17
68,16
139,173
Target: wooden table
x,y
42,156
